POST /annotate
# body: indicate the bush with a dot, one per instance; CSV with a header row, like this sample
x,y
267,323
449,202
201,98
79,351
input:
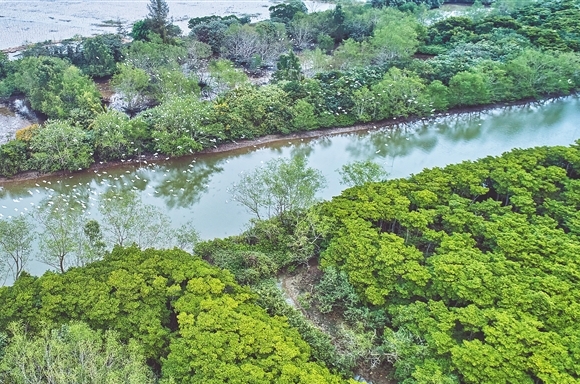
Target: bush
x,y
60,146
13,157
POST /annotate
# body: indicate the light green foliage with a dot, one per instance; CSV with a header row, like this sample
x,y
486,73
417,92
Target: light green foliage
x,y
174,83
177,125
225,76
470,263
16,237
315,61
72,353
110,134
361,172
395,37
352,54
133,85
56,88
400,93
60,146
304,116
150,70
248,112
535,73
279,187
468,89
190,319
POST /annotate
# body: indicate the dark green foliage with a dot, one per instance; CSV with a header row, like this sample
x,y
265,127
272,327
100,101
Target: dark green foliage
x,y
94,56
468,262
141,29
285,12
334,290
288,68
158,22
4,65
13,158
212,29
270,298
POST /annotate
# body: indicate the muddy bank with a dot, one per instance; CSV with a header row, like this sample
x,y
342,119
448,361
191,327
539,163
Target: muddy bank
x,y
270,139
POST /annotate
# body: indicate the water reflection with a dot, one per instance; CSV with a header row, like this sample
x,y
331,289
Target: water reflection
x,y
195,189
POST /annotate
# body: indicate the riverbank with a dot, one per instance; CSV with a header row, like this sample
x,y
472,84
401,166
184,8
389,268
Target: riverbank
x,y
271,139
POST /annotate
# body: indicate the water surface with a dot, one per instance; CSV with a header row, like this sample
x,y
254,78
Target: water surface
x,y
196,188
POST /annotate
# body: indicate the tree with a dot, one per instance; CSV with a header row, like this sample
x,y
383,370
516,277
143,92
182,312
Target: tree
x,y
56,88
62,239
361,172
60,146
133,85
225,76
95,244
16,241
72,353
13,157
284,13
178,127
110,134
288,68
468,88
395,37
98,57
158,13
278,188
127,220
192,321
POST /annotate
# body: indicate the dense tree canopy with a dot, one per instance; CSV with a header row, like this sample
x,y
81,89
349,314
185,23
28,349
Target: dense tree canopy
x,y
193,323
478,259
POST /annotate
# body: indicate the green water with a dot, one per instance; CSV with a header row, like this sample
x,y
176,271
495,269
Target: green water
x,y
196,188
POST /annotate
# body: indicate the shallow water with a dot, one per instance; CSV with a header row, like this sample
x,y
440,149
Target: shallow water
x,y
35,21
14,115
196,188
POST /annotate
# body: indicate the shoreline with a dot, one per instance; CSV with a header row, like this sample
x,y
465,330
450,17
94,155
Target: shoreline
x,y
273,138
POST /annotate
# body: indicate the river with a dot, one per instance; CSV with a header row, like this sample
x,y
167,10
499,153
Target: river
x,y
196,188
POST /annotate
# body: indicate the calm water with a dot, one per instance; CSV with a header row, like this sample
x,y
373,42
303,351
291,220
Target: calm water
x,y
14,115
196,188
35,21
